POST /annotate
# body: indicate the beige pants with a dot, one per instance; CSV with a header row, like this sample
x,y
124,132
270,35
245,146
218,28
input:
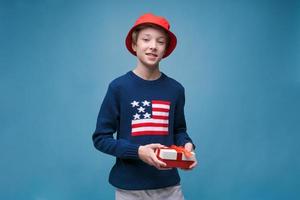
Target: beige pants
x,y
168,193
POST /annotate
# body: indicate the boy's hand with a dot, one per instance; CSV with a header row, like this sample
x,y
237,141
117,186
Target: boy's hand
x,y
189,147
147,154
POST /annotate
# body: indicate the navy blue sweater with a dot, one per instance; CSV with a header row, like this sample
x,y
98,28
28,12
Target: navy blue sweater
x,y
141,112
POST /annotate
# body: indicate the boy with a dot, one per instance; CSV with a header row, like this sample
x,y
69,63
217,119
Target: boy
x,y
146,109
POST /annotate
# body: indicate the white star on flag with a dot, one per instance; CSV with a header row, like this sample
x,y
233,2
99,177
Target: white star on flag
x,y
141,109
146,115
134,103
146,103
136,116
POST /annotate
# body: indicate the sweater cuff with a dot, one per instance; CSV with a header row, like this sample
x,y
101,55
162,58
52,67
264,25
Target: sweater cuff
x,y
132,151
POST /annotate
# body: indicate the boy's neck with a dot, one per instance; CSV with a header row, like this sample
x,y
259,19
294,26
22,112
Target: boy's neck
x,y
148,74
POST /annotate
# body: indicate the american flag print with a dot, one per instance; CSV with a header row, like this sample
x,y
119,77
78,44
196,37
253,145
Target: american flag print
x,y
150,117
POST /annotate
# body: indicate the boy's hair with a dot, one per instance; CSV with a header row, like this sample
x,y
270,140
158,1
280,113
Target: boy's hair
x,y
137,30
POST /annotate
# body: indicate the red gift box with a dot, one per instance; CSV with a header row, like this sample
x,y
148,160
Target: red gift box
x,y
175,156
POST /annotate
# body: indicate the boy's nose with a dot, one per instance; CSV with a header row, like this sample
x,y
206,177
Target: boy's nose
x,y
153,45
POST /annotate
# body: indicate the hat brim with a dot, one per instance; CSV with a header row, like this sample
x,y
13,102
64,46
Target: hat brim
x,y
170,48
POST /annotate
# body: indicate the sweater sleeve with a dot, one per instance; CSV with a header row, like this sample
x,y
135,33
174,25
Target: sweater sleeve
x,y
180,135
107,124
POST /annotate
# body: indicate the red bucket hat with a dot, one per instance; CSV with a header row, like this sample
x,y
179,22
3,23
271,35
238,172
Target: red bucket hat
x,y
156,20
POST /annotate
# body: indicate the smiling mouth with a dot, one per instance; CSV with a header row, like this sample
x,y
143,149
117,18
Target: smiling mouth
x,y
151,54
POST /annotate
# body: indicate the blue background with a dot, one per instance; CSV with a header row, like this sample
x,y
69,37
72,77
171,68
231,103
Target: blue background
x,y
238,60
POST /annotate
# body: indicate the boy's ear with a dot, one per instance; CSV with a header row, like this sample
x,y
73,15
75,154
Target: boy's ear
x,y
133,47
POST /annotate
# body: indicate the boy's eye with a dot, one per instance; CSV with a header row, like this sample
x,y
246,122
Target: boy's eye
x,y
145,39
161,42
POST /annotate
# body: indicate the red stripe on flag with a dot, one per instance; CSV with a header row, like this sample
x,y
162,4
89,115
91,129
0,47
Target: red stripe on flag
x,y
160,109
149,133
159,117
148,124
161,102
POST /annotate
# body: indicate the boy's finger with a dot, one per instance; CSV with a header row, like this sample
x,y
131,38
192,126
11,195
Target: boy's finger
x,y
159,162
156,164
188,146
156,145
193,165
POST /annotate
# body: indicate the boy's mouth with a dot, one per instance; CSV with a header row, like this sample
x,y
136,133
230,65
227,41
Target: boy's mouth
x,y
151,54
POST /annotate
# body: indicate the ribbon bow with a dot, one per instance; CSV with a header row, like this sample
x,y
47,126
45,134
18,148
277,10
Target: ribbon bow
x,y
182,150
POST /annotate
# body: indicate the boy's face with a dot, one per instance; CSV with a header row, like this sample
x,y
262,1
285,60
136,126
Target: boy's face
x,y
150,46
